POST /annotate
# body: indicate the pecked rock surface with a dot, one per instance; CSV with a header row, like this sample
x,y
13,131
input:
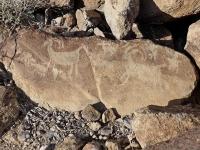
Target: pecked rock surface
x,y
193,41
70,73
165,10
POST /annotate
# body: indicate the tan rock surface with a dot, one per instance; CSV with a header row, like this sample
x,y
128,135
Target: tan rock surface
x,y
165,10
93,4
70,73
120,16
193,41
152,126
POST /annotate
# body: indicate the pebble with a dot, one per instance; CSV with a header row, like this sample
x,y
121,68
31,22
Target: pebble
x,y
42,127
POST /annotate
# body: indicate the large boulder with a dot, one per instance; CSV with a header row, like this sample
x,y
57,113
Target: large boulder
x,y
193,42
120,16
154,125
158,11
126,75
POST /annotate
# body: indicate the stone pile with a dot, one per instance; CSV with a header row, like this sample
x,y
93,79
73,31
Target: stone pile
x,y
114,18
41,127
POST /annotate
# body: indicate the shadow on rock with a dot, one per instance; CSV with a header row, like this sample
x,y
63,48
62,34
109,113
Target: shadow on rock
x,y
14,103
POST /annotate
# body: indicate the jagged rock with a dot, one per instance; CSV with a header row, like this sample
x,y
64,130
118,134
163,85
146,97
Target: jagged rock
x,y
193,41
93,146
125,75
87,19
158,11
70,20
154,125
98,32
91,114
112,145
109,115
70,143
187,141
93,4
63,3
9,108
120,16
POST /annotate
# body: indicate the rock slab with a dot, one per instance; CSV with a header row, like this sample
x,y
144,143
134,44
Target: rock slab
x,y
126,75
155,125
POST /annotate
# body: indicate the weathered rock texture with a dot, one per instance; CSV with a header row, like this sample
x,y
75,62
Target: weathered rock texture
x,y
193,41
120,16
70,73
152,126
187,141
93,4
165,10
9,109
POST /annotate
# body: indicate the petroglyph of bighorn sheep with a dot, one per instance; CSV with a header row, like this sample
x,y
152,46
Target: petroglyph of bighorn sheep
x,y
64,58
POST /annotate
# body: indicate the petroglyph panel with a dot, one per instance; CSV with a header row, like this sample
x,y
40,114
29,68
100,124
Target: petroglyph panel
x,y
70,73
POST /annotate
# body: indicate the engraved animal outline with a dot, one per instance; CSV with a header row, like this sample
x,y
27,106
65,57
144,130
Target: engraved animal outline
x,y
63,58
128,52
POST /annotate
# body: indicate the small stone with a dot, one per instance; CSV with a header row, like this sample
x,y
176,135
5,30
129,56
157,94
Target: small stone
x,y
91,133
94,137
70,20
137,31
77,115
92,146
59,118
58,21
112,145
105,138
98,32
100,137
95,126
91,114
87,19
131,137
109,115
71,135
47,147
106,131
134,144
70,143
